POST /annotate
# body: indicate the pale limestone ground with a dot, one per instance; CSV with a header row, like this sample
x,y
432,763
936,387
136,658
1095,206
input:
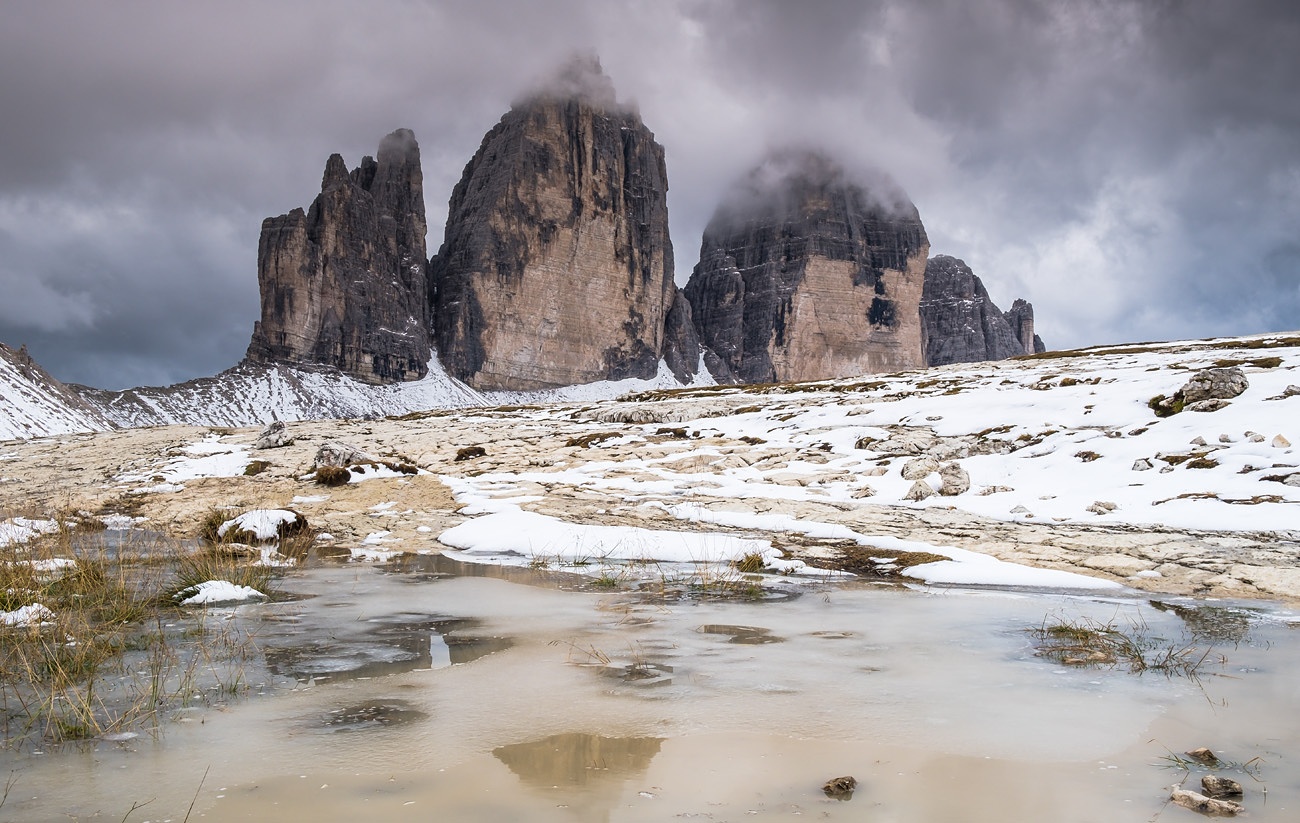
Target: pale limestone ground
x,y
78,472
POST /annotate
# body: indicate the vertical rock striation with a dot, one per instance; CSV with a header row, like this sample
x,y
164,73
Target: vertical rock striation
x,y
806,274
960,324
557,267
345,283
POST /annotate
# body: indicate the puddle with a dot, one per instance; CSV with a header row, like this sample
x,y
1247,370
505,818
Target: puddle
x,y
496,699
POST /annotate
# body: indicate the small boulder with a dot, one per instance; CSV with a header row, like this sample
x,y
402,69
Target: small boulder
x,y
1205,805
920,467
840,788
1102,507
470,453
863,491
1291,391
1212,404
1198,441
1280,442
274,436
341,455
1143,464
1204,756
920,491
955,480
1215,786
1215,384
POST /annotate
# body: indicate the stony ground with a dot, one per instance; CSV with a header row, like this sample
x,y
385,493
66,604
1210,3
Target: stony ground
x,y
543,455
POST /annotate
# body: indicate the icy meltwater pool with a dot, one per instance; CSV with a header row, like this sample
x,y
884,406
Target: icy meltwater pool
x,y
416,691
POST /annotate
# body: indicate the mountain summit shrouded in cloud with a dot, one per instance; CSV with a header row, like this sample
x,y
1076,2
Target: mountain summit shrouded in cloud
x,y
1130,167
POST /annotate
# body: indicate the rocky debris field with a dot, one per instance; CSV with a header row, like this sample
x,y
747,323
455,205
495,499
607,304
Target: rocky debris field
x,y
1066,462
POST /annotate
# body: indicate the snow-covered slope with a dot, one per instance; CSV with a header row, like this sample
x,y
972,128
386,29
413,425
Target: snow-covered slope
x,y
33,403
36,404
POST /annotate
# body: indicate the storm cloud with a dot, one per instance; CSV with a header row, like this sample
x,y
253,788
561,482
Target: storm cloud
x,y
1133,168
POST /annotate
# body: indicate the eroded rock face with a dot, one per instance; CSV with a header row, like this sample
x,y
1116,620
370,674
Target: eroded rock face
x,y
806,273
960,323
344,283
557,265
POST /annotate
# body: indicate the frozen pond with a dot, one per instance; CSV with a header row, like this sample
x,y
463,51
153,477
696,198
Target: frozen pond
x,y
428,689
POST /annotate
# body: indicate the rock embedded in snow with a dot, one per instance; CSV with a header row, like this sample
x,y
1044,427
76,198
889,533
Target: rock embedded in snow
x,y
1143,464
920,491
33,614
1102,507
1280,442
274,436
955,480
1214,384
920,468
263,525
1210,405
340,455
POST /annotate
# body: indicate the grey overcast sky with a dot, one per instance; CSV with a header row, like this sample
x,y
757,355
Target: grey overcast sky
x,y
1132,167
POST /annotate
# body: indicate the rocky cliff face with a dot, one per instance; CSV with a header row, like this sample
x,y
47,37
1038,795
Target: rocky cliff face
x,y
557,267
960,324
345,283
806,273
1021,320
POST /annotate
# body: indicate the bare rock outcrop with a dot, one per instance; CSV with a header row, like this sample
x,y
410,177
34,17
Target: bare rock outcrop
x,y
960,323
557,266
344,284
807,272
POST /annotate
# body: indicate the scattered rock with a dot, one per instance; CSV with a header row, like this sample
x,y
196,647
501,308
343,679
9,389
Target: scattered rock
x,y
840,788
274,436
1280,442
1102,507
1203,756
1020,510
955,480
919,468
1143,464
1255,438
1218,787
1215,384
1205,805
920,491
1291,391
1198,441
1210,405
341,455
470,452
1223,438
865,491
987,490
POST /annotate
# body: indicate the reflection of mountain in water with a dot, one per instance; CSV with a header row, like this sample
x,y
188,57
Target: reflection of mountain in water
x,y
589,771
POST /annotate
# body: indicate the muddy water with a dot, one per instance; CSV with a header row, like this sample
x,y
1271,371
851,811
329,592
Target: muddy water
x,y
415,692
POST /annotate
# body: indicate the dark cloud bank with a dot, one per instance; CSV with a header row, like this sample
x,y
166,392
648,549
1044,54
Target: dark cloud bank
x,y
1133,168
